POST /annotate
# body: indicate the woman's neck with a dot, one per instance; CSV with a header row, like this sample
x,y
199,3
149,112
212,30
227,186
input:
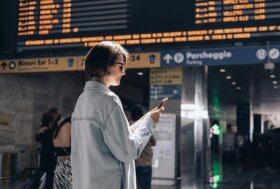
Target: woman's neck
x,y
101,80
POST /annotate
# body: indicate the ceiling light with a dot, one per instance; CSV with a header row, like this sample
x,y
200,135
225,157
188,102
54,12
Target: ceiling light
x,y
238,88
228,77
222,70
233,83
140,73
275,87
272,76
274,82
269,66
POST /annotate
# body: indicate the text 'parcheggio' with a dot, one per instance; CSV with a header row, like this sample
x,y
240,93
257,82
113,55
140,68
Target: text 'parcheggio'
x,y
198,57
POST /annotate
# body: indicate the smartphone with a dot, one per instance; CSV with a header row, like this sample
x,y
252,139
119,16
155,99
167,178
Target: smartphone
x,y
162,103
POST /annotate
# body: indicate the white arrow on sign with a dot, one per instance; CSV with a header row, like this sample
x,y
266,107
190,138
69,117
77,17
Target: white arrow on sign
x,y
167,58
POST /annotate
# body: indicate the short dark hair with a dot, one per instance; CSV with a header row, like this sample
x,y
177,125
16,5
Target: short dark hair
x,y
101,56
53,110
46,118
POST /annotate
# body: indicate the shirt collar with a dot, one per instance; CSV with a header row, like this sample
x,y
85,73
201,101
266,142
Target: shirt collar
x,y
95,85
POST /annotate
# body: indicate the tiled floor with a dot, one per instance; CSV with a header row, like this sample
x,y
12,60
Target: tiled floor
x,y
12,184
232,176
222,176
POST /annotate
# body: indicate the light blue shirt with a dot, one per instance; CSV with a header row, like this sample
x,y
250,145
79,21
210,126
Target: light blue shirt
x,y
103,145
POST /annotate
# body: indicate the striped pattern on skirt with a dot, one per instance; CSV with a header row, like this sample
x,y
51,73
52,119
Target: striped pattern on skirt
x,y
63,175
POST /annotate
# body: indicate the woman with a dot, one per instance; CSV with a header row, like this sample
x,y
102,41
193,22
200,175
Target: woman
x,y
62,149
104,146
47,158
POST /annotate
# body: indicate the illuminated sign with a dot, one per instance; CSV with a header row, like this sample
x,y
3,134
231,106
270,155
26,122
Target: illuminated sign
x,y
152,38
39,65
144,60
220,56
173,58
215,130
158,92
41,17
172,76
54,24
72,63
224,11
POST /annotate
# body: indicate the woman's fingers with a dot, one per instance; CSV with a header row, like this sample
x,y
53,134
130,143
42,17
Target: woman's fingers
x,y
155,114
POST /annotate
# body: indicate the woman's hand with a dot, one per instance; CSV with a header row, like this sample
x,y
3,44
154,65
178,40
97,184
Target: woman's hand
x,y
155,114
43,130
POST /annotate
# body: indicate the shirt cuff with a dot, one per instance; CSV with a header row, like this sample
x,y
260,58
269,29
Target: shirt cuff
x,y
150,122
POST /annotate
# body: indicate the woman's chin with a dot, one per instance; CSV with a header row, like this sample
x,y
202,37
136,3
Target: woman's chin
x,y
117,83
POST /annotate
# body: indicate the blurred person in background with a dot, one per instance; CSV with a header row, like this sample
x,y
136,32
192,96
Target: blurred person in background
x,y
56,117
47,158
62,149
144,162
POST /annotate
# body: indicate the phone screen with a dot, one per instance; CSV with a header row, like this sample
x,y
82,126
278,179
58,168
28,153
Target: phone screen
x,y
162,103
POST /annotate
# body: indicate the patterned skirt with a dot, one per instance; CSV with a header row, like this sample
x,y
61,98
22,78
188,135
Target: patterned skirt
x,y
63,175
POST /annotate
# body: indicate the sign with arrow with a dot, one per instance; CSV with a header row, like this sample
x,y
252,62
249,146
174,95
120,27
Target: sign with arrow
x,y
167,58
4,65
72,63
220,56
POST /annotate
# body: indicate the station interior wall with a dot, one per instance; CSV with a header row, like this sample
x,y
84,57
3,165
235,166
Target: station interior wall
x,y
24,98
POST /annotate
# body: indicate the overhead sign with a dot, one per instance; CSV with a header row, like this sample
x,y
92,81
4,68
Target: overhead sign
x,y
71,63
158,92
144,60
172,76
221,56
136,60
39,65
81,63
173,58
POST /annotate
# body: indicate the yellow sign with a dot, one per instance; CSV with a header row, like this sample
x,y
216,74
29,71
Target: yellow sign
x,y
136,60
75,63
39,65
81,63
166,76
144,60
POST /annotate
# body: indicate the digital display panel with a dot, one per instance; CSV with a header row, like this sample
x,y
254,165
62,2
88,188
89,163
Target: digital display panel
x,y
69,16
60,24
225,11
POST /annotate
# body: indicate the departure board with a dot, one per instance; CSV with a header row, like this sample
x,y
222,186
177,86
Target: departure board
x,y
60,24
45,17
217,11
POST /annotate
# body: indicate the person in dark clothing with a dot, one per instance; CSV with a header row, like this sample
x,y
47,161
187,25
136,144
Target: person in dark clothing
x,y
56,117
143,163
47,157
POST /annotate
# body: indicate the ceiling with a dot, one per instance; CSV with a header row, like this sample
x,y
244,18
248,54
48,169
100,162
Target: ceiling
x,y
256,89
